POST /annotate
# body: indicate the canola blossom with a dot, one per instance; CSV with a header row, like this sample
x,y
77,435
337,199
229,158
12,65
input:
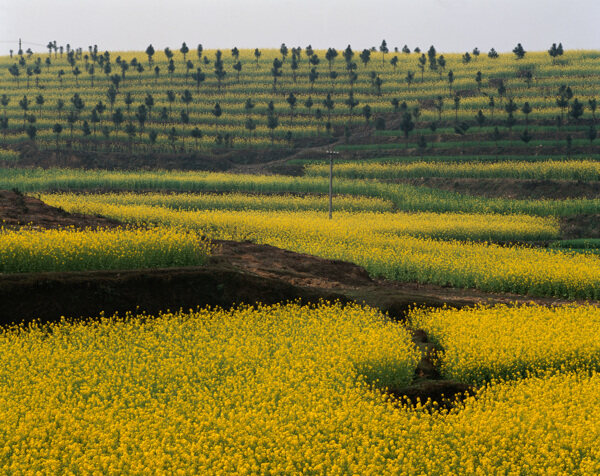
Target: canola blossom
x,y
29,250
382,249
544,169
272,390
507,342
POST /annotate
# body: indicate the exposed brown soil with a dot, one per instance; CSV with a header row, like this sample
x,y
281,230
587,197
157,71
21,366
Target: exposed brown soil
x,y
18,210
511,188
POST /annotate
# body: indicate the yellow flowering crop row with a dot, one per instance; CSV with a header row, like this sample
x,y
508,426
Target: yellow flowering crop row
x,y
28,250
379,243
549,169
273,390
487,343
241,201
281,212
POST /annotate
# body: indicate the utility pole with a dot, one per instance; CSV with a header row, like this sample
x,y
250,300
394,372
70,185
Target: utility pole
x,y
331,154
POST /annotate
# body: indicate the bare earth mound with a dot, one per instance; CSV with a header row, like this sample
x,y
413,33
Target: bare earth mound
x,y
18,210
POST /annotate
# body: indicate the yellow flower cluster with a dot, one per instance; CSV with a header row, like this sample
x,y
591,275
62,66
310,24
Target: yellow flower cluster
x,y
29,250
244,201
265,212
381,243
505,342
547,169
272,390
212,391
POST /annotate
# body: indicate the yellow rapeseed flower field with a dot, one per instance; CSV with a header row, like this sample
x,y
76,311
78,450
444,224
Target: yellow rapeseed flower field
x,y
486,343
271,390
382,244
30,250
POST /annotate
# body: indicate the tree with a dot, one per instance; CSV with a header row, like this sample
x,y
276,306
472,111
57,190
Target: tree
x,y
130,130
276,72
219,70
4,126
238,68
184,51
94,119
466,58
171,69
199,77
118,118
421,65
250,125
170,98
592,103
377,83
395,104
416,114
152,136
185,118
407,125
188,66
519,51
187,98
199,50
39,100
272,123
57,129
406,50
351,102
24,105
555,51
410,76
128,102
173,137
480,118
384,49
439,105
330,56
312,77
150,52
257,54
309,103
348,54
394,63
576,110
294,66
461,129
478,80
217,112
366,112
284,52
14,71
115,80
4,100
141,115
291,100
365,57
31,131
149,102
526,109
493,54
235,53
156,73
456,107
450,79
196,134
526,136
563,97
329,105
476,52
591,133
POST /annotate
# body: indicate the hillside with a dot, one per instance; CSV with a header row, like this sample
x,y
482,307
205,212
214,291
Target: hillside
x,y
205,103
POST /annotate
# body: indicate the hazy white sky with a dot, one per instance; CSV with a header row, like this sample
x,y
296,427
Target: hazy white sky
x,y
450,25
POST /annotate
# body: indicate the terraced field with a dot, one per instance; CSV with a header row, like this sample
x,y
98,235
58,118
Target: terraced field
x,y
211,99
472,224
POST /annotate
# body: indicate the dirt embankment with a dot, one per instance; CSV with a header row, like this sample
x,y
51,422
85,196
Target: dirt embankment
x,y
17,210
